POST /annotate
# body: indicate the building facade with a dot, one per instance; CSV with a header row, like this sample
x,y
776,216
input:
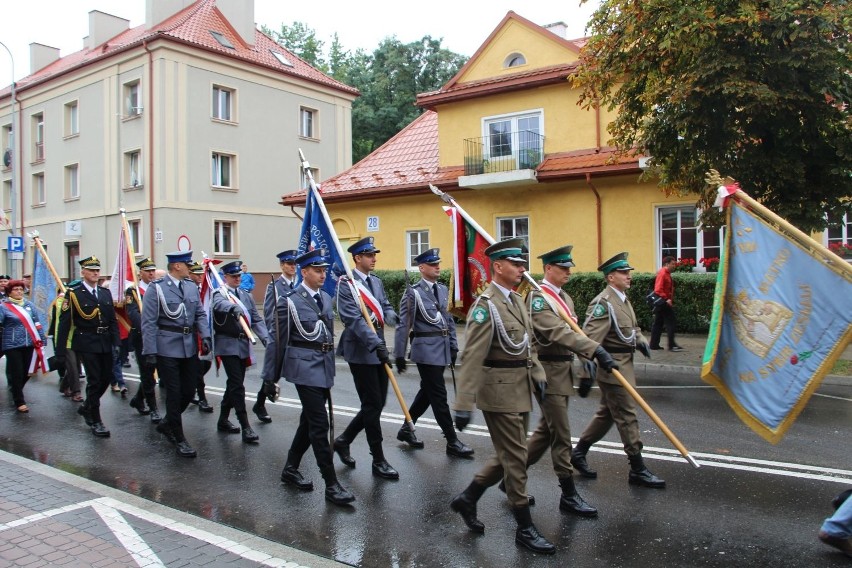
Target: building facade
x,y
191,123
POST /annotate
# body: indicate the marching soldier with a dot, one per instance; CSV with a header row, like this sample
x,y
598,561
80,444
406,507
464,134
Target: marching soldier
x,y
307,342
146,393
366,353
234,348
500,367
88,316
171,316
611,321
556,344
424,317
196,274
275,290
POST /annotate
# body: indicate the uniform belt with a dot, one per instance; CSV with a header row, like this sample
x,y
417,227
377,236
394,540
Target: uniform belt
x,y
316,345
240,335
442,333
93,330
508,363
621,349
176,329
557,358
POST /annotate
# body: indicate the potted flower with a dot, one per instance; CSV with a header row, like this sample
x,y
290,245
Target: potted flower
x,y
843,250
711,264
684,265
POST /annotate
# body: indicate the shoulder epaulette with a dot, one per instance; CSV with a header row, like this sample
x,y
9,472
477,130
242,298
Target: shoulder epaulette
x,y
157,281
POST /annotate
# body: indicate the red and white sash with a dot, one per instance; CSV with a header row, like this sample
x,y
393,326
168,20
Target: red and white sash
x,y
369,300
555,300
32,328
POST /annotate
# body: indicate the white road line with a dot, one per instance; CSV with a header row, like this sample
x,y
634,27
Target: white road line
x,y
43,515
127,536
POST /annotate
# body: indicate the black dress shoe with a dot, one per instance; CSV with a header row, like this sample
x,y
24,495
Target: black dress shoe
x,y
184,450
467,510
166,431
123,392
139,405
529,537
502,487
249,435
260,411
87,416
656,348
99,430
459,449
575,504
384,470
582,466
342,450
292,476
337,494
407,436
204,406
227,426
155,416
646,479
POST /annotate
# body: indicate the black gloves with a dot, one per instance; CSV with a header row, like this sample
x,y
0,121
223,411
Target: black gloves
x,y
462,419
454,353
271,390
235,310
151,360
604,359
206,346
382,352
585,386
645,349
400,364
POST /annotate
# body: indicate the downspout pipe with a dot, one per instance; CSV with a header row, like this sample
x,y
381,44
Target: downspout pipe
x,y
150,118
597,215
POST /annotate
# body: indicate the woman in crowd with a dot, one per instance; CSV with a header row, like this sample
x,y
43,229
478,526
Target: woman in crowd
x,y
22,339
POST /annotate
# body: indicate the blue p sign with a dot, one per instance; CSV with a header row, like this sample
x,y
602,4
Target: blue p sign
x,y
15,244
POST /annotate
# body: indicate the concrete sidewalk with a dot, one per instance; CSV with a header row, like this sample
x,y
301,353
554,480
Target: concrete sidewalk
x,y
52,518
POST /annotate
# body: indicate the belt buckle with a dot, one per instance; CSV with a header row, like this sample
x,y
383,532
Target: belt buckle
x,y
101,330
187,330
444,333
326,347
529,363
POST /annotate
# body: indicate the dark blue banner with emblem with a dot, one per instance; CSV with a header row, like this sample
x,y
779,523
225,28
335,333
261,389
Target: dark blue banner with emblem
x,y
782,316
316,234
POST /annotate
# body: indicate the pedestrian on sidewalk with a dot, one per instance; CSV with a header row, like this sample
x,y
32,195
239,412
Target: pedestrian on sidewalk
x,y
246,279
23,338
664,314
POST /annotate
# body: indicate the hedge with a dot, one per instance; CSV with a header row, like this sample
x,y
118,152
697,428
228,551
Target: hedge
x,y
693,294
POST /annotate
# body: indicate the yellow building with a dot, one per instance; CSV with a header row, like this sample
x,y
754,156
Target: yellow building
x,y
506,138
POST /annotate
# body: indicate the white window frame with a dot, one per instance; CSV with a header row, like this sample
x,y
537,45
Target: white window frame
x,y
133,169
218,174
223,105
679,250
7,195
38,137
515,145
220,227
8,142
303,179
132,99
845,233
415,244
134,229
72,182
72,119
308,123
515,232
39,191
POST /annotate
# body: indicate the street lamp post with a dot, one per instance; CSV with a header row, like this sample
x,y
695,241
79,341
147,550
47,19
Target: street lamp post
x,y
10,264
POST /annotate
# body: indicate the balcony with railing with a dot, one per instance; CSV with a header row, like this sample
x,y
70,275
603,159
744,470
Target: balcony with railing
x,y
504,158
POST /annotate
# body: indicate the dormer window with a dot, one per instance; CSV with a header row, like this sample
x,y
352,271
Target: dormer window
x,y
515,60
223,41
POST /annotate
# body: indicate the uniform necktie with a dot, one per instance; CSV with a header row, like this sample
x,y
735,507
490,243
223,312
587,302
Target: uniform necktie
x,y
319,301
369,282
291,284
435,291
180,286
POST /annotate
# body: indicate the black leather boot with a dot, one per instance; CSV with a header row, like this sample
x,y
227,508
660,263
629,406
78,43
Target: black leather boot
x,y
406,435
225,425
154,411
465,505
641,475
341,448
292,476
249,435
527,535
139,404
259,410
578,460
572,502
334,492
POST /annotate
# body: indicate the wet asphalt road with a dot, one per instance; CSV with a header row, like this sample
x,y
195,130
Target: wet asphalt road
x,y
750,503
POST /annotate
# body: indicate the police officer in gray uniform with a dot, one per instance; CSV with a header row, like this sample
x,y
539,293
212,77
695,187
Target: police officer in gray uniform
x,y
306,335
233,347
282,285
171,316
366,353
423,317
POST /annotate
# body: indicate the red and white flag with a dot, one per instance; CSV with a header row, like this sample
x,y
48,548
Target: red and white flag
x,y
121,280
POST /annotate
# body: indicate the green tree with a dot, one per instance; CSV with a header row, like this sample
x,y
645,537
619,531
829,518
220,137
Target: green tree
x,y
300,40
757,89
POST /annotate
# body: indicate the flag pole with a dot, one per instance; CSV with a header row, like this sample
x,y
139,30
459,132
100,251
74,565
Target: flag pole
x,y
131,256
223,290
574,327
34,236
313,188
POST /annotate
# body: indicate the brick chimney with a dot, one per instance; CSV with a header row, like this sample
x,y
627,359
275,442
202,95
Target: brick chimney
x,y
240,14
103,27
41,56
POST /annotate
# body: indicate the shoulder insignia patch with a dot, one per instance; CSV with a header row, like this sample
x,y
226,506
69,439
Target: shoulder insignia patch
x,y
479,314
65,305
599,311
538,304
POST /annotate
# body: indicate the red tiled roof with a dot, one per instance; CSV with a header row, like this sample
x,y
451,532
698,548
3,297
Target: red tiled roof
x,y
407,163
191,26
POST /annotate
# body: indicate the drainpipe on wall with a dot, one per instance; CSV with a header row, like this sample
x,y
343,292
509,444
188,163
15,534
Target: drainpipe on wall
x,y
150,118
293,211
597,213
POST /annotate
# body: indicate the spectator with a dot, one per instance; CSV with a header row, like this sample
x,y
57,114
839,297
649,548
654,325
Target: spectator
x,y
836,531
23,339
4,280
664,314
246,279
28,283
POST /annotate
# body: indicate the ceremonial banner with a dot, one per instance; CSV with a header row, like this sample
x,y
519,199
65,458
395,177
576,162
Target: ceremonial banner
x,y
782,315
43,291
317,234
121,280
471,267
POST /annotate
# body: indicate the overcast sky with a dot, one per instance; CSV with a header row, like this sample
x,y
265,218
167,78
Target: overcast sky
x,y
463,24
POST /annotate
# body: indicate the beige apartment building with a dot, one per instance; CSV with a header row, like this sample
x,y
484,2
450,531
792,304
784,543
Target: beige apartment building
x,y
190,122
